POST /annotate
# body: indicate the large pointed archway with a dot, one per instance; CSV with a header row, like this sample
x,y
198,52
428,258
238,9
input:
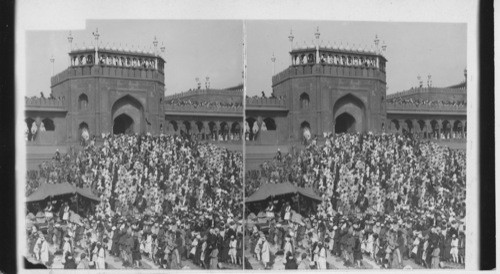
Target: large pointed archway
x,y
349,114
128,116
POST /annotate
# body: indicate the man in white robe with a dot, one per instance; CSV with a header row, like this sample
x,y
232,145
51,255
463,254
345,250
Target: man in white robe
x,y
266,253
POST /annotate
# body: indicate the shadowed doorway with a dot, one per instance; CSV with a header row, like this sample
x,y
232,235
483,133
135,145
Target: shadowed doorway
x,y
345,123
123,124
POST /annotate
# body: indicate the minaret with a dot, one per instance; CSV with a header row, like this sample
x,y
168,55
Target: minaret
x,y
290,38
70,47
198,83
96,36
155,44
273,59
376,41
317,34
52,61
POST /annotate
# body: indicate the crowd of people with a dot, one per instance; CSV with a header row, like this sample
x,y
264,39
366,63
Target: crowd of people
x,y
418,102
205,104
390,196
165,198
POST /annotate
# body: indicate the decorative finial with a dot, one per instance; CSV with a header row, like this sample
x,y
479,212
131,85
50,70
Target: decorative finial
x,y
376,41
290,37
384,46
273,58
52,61
70,37
96,34
317,34
155,42
162,48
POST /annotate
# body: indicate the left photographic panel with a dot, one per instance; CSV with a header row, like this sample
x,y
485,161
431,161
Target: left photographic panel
x,y
133,135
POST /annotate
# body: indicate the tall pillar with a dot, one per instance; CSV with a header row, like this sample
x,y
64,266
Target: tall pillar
x,y
241,133
463,128
217,130
205,130
428,129
402,125
439,128
194,129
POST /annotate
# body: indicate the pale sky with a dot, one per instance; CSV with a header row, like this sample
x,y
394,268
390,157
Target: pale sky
x,y
413,49
196,48
200,48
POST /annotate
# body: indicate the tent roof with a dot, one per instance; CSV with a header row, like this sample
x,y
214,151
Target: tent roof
x,y
268,190
52,190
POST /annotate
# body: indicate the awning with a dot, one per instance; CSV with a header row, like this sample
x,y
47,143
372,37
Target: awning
x,y
53,190
270,190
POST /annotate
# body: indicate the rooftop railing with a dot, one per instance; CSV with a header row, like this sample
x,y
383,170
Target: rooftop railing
x,y
194,109
423,107
39,102
233,92
260,101
422,90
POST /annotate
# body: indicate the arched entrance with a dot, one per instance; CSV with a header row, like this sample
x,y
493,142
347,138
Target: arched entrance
x,y
349,114
123,124
345,122
128,116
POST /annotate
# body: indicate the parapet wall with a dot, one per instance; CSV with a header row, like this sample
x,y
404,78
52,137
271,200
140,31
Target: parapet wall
x,y
275,102
329,70
196,92
38,102
107,71
415,91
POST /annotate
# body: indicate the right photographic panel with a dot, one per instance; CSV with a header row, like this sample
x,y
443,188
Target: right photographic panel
x,y
355,145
